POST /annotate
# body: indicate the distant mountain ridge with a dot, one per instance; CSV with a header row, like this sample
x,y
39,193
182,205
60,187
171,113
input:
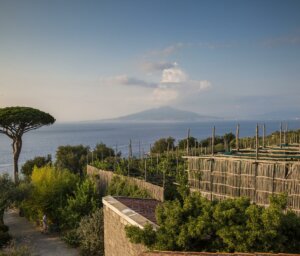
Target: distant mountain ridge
x,y
164,114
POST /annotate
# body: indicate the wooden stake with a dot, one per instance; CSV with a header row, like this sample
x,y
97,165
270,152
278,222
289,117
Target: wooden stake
x,y
264,135
187,142
280,136
213,140
257,144
237,137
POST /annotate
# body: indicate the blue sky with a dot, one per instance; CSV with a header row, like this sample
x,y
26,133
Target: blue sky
x,y
87,60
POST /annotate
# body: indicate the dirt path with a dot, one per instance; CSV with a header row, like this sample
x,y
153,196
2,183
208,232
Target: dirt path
x,y
24,233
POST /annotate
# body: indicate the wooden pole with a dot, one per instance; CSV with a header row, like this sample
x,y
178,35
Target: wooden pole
x,y
87,157
237,137
280,136
264,135
286,134
139,149
145,168
257,144
129,156
116,152
187,142
213,140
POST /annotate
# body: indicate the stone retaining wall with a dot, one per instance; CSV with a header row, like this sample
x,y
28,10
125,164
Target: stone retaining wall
x,y
105,177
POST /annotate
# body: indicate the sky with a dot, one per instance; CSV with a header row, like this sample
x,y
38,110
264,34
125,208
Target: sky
x,y
91,60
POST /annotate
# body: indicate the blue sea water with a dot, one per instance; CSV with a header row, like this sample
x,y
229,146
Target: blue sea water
x,y
46,139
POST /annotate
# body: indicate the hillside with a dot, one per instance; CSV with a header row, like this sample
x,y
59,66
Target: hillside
x,y
164,114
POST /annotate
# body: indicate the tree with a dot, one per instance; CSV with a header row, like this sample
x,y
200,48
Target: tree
x,y
38,161
162,145
182,144
15,121
73,158
101,151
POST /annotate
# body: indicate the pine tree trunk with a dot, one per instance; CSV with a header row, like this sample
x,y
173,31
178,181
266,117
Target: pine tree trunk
x,y
17,146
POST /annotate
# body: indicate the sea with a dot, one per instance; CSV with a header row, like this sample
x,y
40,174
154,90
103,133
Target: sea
x,y
46,140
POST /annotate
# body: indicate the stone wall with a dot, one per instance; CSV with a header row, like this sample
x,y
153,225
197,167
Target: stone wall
x,y
105,177
116,217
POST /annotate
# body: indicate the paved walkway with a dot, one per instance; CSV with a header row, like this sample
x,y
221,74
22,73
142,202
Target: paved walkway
x,y
25,233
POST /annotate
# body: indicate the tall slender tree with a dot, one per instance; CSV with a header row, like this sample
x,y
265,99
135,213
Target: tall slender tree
x,y
15,121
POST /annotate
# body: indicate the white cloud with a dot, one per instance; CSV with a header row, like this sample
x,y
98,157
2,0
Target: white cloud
x,y
125,80
149,66
167,51
174,84
290,40
173,75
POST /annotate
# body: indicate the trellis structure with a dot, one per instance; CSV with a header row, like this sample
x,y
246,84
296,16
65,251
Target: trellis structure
x,y
220,177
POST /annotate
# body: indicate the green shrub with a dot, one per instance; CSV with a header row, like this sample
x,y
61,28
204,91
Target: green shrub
x,y
13,250
49,193
8,193
232,225
91,234
84,201
119,186
71,237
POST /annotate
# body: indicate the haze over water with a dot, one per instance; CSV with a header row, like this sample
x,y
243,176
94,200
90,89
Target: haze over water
x,y
46,140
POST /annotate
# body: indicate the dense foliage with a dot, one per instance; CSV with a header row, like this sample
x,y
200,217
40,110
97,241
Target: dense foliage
x,y
162,145
48,193
232,225
101,151
119,186
85,200
38,161
8,194
73,158
91,234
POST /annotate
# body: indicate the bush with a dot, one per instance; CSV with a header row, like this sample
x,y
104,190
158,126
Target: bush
x,y
8,193
13,250
49,193
232,225
84,201
91,234
71,237
119,187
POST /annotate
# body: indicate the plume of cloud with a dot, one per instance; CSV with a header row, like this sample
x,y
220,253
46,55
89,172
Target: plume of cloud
x,y
129,81
174,84
167,51
293,39
173,75
149,66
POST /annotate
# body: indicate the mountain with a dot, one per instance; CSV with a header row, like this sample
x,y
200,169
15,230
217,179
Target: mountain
x,y
280,115
164,114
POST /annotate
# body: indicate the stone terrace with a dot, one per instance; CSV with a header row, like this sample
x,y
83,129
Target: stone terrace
x,y
144,207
